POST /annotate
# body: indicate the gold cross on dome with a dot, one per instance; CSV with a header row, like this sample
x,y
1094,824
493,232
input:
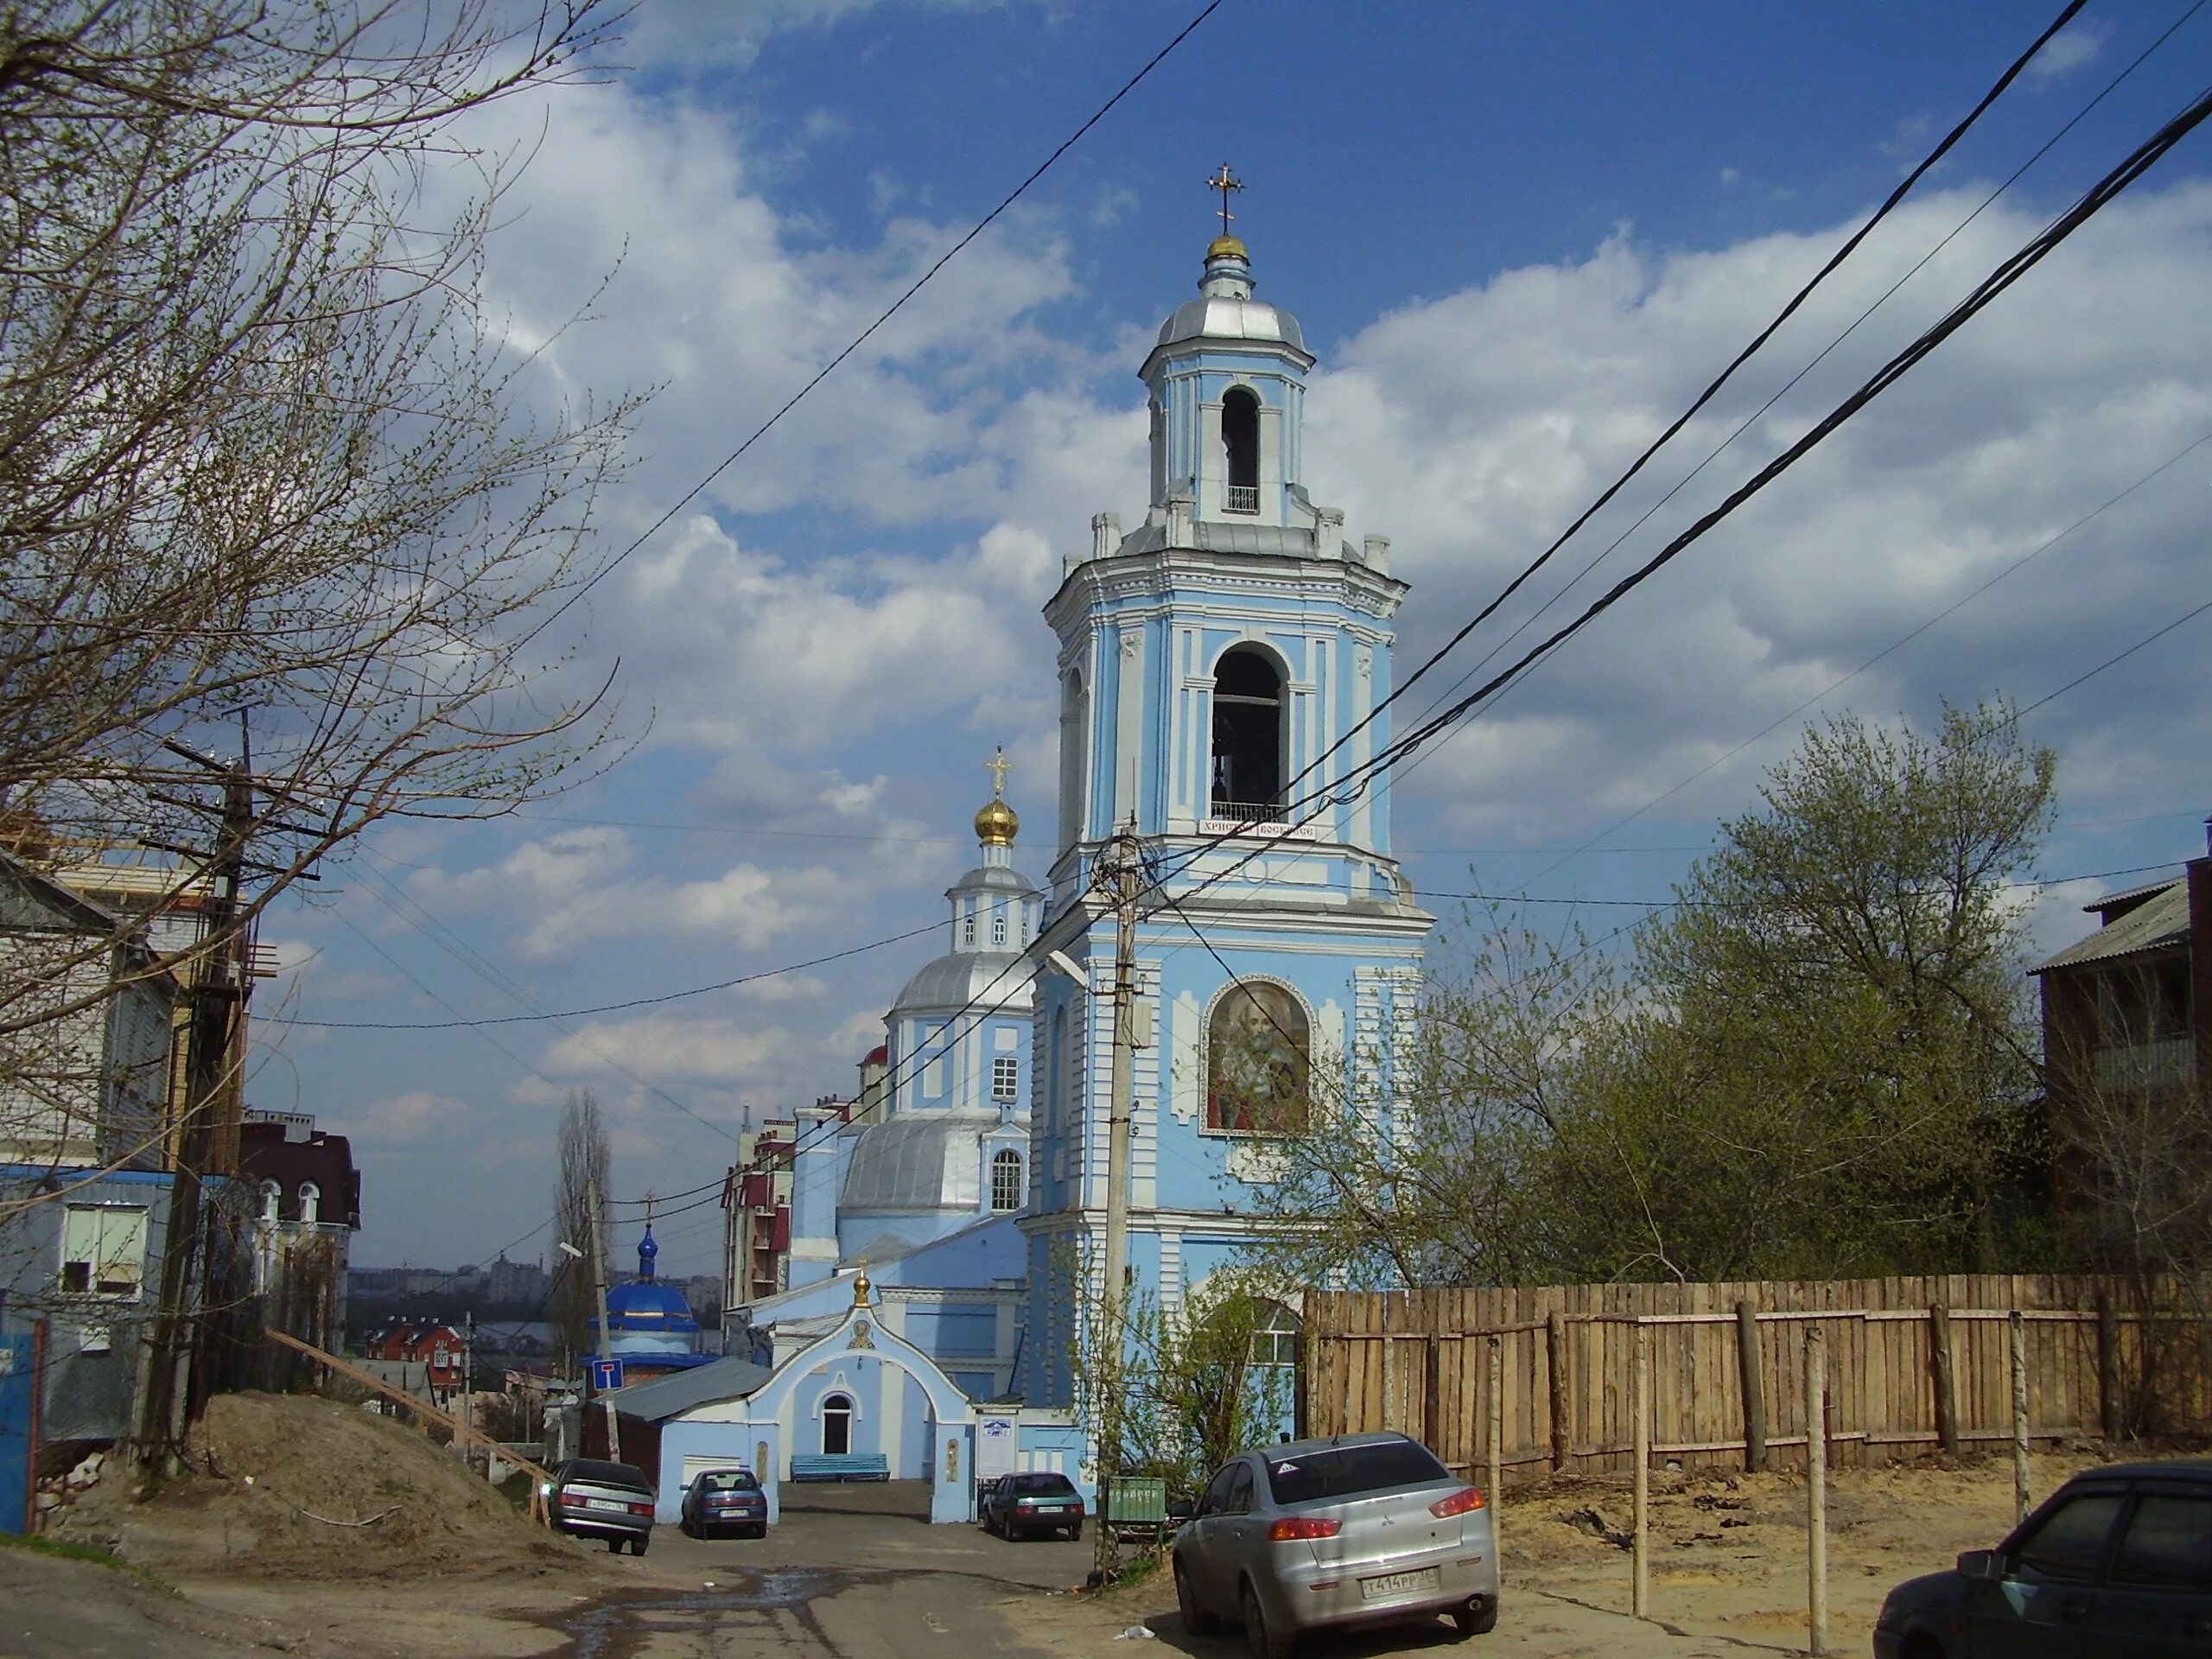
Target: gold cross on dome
x,y
998,766
1225,182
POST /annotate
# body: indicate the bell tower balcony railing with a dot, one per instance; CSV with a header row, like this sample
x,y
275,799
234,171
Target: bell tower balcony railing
x,y
1247,812
1243,498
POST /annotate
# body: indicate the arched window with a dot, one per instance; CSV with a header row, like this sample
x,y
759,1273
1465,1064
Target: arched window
x,y
1005,1179
310,1203
1248,737
1258,1057
1240,443
272,1201
967,927
998,925
838,1425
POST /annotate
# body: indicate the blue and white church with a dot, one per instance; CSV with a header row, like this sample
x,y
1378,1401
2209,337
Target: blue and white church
x,y
1218,664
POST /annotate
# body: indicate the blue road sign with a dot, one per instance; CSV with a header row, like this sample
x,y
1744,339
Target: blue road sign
x,y
606,1376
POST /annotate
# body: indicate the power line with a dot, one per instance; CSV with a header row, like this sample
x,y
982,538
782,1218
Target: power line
x,y
1789,384
617,1007
2025,560
2107,189
863,338
1849,245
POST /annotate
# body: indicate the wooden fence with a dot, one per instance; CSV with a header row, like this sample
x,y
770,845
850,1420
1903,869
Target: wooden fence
x,y
1914,1365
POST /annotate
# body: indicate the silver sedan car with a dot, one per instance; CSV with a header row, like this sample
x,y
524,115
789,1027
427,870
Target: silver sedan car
x,y
1362,1529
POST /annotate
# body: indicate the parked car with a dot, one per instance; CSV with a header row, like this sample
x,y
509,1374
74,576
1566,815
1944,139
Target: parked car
x,y
597,1499
1021,1506
2118,1562
1360,1529
717,1498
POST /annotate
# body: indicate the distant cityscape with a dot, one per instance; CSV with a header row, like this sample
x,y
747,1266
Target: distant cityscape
x,y
495,1290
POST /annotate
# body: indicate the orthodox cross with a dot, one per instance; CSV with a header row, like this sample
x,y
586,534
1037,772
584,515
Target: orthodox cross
x,y
1225,182
998,766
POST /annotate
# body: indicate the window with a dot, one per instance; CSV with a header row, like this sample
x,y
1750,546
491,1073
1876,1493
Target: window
x,y
272,1198
998,926
968,928
1257,1048
1005,1179
1239,442
2069,1546
310,1203
1248,741
103,1250
1238,1499
1390,1465
1276,1342
838,1425
2168,1545
1005,1077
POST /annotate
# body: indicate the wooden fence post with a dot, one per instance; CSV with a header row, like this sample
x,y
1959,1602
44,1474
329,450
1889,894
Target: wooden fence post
x,y
1556,1356
2020,1333
1747,1363
1816,1486
1941,1361
1496,1474
2108,1364
1640,1405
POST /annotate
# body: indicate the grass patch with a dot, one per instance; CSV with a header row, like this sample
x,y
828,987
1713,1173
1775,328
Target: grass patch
x,y
67,1550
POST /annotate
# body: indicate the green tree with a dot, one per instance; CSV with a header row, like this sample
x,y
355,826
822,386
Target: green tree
x,y
1829,1070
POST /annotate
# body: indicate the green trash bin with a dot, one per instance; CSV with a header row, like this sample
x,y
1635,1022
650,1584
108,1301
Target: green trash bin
x,y
1136,1506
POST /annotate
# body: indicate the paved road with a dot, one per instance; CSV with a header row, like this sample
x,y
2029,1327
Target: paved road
x,y
862,1585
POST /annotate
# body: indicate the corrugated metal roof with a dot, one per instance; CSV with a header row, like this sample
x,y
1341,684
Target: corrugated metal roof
x,y
2157,922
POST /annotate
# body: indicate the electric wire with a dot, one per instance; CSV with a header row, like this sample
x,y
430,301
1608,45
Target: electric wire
x,y
1789,384
863,338
1849,245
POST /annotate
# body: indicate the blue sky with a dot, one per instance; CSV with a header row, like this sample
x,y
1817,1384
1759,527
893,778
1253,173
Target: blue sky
x,y
1520,238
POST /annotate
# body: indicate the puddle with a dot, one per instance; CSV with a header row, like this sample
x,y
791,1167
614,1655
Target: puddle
x,y
610,1628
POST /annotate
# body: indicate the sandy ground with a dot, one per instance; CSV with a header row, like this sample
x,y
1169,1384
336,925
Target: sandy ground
x,y
313,1528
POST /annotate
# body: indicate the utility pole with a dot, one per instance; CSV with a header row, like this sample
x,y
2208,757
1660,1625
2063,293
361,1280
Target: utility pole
x,y
468,1386
218,997
606,1351
1123,874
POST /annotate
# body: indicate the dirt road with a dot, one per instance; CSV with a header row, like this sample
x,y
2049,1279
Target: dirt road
x,y
1727,1578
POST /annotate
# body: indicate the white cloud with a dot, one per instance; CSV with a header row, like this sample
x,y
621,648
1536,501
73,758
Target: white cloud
x,y
2071,49
1474,427
417,1115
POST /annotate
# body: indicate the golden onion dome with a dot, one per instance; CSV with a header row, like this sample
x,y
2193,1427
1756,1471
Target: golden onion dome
x,y
1226,247
996,824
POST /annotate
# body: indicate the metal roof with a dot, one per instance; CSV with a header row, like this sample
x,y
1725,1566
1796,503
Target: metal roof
x,y
2157,922
730,1377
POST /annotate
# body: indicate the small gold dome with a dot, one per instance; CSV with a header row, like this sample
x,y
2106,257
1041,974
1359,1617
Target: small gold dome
x,y
1226,247
996,824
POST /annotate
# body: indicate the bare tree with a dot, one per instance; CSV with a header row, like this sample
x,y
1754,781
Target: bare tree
x,y
586,1165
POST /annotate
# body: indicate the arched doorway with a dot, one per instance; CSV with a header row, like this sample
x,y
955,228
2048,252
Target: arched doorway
x,y
1248,737
838,1425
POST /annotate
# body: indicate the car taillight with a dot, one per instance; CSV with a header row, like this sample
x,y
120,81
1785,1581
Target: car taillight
x,y
570,1501
1303,1526
641,1509
1459,1502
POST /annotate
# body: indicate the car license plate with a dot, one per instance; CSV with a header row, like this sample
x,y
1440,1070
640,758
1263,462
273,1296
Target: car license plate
x,y
1398,1584
608,1504
1051,1508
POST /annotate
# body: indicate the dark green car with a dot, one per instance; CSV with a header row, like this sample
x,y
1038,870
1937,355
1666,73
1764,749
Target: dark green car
x,y
2117,1565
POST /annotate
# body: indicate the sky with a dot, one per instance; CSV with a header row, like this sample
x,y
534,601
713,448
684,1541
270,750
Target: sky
x,y
1521,238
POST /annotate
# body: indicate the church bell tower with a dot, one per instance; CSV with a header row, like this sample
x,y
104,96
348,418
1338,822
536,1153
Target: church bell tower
x,y
1221,668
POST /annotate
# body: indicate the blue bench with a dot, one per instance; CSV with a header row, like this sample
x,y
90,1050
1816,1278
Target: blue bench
x,y
840,1465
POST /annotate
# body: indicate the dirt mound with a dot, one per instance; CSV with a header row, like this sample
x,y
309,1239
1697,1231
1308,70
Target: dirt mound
x,y
297,1487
